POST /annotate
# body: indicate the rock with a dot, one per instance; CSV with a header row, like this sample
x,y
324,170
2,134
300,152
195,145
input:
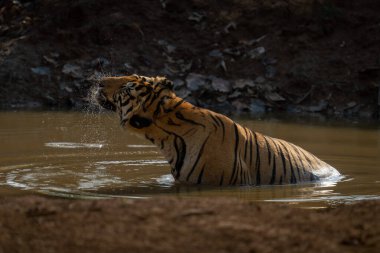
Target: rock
x,y
178,84
224,107
220,85
260,80
215,53
270,72
50,100
170,69
128,66
269,61
350,105
183,66
221,99
163,4
243,83
230,25
274,97
366,112
72,70
50,60
253,41
316,108
68,89
256,53
42,71
293,109
54,54
257,106
240,106
100,62
223,65
232,51
196,16
167,47
235,94
195,82
183,92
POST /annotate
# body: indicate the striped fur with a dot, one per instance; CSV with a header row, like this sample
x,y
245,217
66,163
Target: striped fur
x,y
204,147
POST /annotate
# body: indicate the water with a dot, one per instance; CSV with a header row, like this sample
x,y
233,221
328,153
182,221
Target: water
x,y
78,155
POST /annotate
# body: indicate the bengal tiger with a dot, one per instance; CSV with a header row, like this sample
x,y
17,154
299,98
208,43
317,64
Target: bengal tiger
x,y
201,146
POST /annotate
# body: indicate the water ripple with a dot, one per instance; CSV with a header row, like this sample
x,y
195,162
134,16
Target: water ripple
x,y
73,145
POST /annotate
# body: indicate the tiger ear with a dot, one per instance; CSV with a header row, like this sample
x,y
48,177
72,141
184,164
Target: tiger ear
x,y
165,83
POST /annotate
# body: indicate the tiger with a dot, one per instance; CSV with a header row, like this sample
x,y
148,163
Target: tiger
x,y
202,146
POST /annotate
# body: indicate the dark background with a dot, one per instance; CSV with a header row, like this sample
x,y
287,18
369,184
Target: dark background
x,y
299,56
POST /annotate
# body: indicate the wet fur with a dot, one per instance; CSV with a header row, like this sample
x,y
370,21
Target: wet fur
x,y
201,146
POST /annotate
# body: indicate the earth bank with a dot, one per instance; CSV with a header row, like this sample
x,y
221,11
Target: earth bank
x,y
39,224
310,56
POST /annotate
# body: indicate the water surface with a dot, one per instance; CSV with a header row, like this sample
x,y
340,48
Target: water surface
x,y
81,155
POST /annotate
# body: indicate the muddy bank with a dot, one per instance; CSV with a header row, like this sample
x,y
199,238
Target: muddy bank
x,y
254,56
37,224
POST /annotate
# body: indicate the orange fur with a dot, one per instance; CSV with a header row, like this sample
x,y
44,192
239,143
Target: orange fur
x,y
202,146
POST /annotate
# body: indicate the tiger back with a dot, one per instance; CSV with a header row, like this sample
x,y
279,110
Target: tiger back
x,y
202,146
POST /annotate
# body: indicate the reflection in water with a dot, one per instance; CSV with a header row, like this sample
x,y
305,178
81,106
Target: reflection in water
x,y
73,145
78,155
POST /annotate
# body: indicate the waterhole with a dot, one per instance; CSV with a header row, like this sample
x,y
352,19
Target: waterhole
x,y
82,155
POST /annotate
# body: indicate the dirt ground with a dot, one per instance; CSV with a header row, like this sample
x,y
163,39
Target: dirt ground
x,y
308,56
39,224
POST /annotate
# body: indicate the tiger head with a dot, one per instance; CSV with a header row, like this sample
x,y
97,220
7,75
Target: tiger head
x,y
135,98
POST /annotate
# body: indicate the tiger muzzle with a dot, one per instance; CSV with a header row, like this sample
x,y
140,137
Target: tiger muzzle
x,y
103,101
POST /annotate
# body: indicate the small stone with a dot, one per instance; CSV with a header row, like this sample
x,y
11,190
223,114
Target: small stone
x,y
274,97
183,92
235,94
317,108
178,83
230,25
257,52
42,71
50,99
243,83
195,81
269,61
223,65
54,54
350,105
184,67
253,41
72,70
128,66
270,72
223,107
221,99
50,60
100,61
260,80
68,89
257,106
220,84
195,16
240,106
232,51
167,47
215,53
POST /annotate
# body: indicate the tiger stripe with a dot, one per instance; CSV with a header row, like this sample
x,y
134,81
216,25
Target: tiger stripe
x,y
204,147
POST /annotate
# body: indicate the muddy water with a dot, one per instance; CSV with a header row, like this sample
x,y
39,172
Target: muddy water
x,y
81,155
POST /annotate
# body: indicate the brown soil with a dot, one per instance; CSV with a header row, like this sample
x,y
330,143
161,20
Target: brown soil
x,y
37,224
320,55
